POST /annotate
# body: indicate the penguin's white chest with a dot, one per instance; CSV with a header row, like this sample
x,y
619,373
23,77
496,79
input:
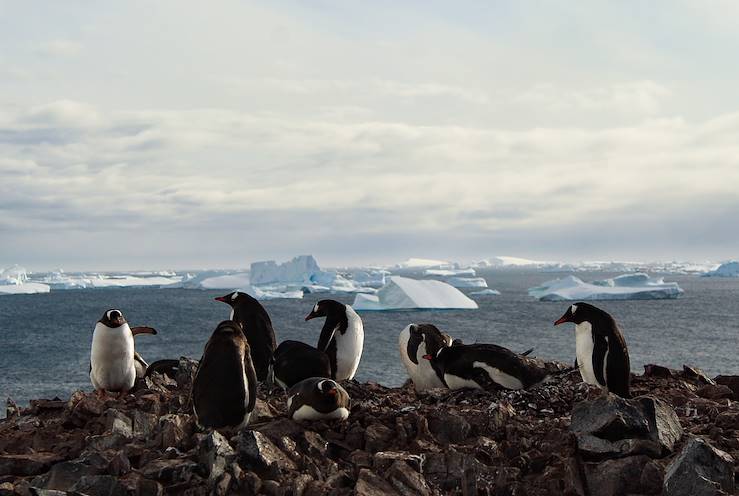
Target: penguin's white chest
x,y
349,346
584,351
425,376
111,358
307,412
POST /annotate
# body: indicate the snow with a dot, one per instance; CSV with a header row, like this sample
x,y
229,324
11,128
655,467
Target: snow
x,y
449,272
14,280
424,263
466,282
370,278
637,286
727,269
402,293
485,292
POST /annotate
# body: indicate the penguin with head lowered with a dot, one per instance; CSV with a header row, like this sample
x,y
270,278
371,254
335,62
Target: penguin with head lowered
x,y
342,337
602,356
294,361
318,398
415,341
485,366
224,391
113,365
257,326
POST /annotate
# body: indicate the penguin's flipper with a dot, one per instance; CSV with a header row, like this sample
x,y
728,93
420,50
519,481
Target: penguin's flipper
x,y
481,377
527,352
251,377
143,330
618,370
600,348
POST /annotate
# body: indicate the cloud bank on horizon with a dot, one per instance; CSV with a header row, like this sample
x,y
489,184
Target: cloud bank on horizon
x,y
185,135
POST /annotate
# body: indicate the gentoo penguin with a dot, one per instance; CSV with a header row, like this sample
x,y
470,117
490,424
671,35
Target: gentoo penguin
x,y
317,398
294,361
224,391
257,326
602,356
342,337
415,341
485,366
112,356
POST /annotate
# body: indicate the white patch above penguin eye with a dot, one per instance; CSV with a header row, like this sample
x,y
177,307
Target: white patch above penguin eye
x,y
112,314
234,295
573,309
315,308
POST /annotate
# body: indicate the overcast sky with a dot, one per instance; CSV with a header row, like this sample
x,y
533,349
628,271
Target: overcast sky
x,y
173,134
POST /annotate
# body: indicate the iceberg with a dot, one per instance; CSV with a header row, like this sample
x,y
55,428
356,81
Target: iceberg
x,y
370,278
60,280
450,272
303,272
727,269
466,282
14,280
402,293
424,263
485,292
636,286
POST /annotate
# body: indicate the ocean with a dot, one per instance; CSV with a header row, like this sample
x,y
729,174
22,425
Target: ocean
x,y
45,338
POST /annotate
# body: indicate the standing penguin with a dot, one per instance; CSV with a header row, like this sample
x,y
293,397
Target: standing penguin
x,y
112,356
295,361
317,398
342,337
224,391
485,366
415,341
602,356
257,326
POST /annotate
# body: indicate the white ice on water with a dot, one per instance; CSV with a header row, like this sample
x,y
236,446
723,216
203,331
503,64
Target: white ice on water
x,y
485,292
727,269
402,293
636,286
14,280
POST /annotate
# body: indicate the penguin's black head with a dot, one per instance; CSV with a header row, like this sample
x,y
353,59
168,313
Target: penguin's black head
x,y
324,308
229,327
431,337
235,298
327,387
112,318
578,313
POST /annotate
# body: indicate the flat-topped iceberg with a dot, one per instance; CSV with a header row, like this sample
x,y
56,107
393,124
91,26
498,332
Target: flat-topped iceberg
x,y
402,293
636,286
485,292
61,280
450,272
466,282
727,269
14,280
425,263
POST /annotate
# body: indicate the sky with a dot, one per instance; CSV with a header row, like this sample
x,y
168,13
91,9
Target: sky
x,y
185,135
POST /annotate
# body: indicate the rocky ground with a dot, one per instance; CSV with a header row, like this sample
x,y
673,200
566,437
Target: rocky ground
x,y
680,437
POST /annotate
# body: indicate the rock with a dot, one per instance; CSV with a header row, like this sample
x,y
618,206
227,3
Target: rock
x,y
99,484
378,437
699,470
215,453
664,425
407,481
118,423
260,454
169,470
448,428
11,408
186,371
715,392
728,420
371,484
651,370
144,424
616,477
173,429
384,459
119,464
24,465
609,417
696,374
6,489
64,475
146,487
106,441
80,409
731,381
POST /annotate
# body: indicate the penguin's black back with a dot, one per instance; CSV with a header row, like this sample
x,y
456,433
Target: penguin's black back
x,y
257,327
459,360
295,361
608,337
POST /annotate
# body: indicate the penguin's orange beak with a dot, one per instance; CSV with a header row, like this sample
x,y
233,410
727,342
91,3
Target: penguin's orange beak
x,y
427,357
331,392
309,316
562,320
221,299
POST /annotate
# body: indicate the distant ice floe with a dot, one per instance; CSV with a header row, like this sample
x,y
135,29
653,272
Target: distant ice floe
x,y
485,292
637,286
402,293
425,263
14,280
450,272
60,280
727,269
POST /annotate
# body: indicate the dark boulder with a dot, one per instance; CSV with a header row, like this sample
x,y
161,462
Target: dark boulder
x,y
699,470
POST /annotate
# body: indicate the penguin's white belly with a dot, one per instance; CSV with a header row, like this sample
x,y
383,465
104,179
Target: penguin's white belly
x,y
111,359
425,376
349,346
584,351
500,377
456,382
403,339
307,412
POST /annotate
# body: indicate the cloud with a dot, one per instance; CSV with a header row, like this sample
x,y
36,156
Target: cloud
x,y
59,48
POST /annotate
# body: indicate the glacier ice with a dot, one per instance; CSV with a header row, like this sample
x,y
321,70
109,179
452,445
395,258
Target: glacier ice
x,y
425,263
727,269
450,272
14,280
636,286
403,293
485,292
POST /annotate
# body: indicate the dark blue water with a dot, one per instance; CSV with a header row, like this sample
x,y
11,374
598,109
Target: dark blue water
x,y
45,338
